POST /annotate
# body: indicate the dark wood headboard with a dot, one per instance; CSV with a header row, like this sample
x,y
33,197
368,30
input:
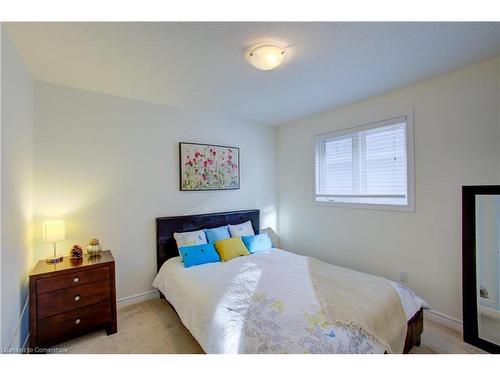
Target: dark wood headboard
x,y
166,246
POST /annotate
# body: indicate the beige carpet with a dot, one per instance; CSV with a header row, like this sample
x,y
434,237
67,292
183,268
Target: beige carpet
x,y
154,327
147,327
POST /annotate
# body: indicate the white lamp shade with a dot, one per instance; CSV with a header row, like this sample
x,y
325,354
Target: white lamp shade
x,y
266,57
54,231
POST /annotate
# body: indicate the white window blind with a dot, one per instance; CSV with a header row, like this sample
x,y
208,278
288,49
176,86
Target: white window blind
x,y
366,165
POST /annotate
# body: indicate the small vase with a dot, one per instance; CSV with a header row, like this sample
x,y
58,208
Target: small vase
x,y
94,250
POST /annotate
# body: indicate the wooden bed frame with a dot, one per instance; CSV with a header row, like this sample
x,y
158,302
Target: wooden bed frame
x,y
166,248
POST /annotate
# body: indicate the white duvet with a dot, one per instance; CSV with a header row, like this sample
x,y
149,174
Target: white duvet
x,y
262,303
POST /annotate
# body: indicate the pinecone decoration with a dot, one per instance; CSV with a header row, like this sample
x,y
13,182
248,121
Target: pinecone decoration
x,y
76,251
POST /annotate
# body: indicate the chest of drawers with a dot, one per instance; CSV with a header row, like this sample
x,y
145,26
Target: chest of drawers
x,y
70,299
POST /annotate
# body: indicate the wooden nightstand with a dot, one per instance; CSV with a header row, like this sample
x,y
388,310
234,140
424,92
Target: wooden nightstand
x,y
71,298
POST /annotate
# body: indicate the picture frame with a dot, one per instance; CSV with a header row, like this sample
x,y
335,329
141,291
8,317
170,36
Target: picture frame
x,y
208,167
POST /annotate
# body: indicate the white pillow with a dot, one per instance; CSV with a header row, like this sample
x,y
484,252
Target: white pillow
x,y
196,237
240,230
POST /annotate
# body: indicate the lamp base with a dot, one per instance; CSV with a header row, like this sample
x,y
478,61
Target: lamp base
x,y
55,259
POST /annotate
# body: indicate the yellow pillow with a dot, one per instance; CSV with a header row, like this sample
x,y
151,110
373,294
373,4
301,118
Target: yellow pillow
x,y
230,248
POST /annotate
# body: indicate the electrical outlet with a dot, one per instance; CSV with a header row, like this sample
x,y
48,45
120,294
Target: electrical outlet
x,y
403,276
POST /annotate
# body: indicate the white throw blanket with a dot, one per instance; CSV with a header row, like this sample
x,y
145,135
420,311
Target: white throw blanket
x,y
359,301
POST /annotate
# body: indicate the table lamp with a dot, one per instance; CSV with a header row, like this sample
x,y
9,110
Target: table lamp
x,y
54,231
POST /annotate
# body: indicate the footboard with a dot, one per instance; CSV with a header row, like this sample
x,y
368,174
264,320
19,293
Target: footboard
x,y
414,332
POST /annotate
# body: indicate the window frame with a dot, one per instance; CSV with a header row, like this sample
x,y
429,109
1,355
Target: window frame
x,y
410,163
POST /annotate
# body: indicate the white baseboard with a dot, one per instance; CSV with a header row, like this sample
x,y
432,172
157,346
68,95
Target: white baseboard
x,y
136,298
448,321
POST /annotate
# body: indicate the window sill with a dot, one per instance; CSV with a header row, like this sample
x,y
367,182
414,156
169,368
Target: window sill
x,y
366,206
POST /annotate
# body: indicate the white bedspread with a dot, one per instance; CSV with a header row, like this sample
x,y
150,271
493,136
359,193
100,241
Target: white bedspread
x,y
262,303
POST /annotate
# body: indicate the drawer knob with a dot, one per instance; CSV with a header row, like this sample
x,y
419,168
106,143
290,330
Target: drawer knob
x,y
77,298
76,279
77,321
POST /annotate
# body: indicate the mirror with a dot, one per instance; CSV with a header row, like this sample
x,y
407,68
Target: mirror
x,y
481,266
488,266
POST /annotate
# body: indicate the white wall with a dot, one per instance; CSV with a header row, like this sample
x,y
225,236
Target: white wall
x,y
17,193
109,167
457,141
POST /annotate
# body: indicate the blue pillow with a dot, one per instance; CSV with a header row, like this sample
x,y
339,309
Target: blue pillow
x,y
217,234
199,254
257,242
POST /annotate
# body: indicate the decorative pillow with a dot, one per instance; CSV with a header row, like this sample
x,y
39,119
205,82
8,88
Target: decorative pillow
x,y
257,243
217,234
241,230
230,248
196,237
199,254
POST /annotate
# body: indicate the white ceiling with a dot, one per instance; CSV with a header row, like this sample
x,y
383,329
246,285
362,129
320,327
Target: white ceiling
x,y
201,66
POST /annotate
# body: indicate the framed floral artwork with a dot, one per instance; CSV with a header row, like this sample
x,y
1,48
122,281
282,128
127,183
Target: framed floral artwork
x,y
208,167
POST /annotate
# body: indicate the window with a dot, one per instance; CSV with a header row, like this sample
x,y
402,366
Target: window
x,y
369,166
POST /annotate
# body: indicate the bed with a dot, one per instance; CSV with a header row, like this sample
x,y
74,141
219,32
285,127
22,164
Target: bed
x,y
273,301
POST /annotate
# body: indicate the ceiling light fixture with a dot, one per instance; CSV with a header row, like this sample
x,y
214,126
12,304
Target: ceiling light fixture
x,y
265,57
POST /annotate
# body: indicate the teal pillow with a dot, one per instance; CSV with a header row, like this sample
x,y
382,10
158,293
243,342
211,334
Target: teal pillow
x,y
199,254
217,234
258,242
